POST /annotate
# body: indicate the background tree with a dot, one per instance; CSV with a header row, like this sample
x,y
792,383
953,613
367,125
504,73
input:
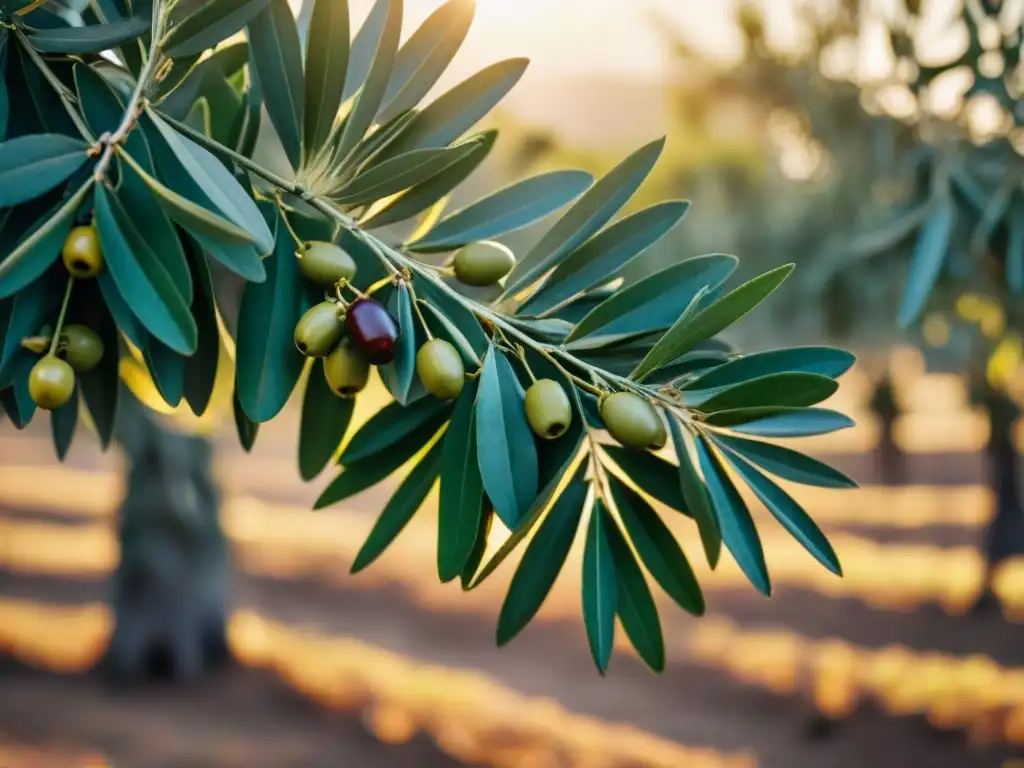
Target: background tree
x,y
900,191
128,184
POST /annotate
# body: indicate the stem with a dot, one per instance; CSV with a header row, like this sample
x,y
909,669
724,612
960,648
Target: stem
x,y
395,262
201,138
288,225
419,312
67,98
60,317
135,103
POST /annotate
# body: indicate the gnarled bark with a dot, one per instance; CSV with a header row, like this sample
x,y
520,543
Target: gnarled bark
x,y
169,592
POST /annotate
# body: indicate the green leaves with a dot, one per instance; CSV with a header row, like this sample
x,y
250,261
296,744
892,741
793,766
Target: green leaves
x,y
506,210
776,389
400,173
199,176
399,510
325,418
657,300
695,492
718,316
94,38
211,23
926,263
400,374
591,212
600,587
597,260
41,246
35,164
390,426
658,548
276,58
62,425
790,514
361,475
825,361
787,463
424,195
138,273
326,67
369,99
770,421
737,526
634,603
424,57
542,562
268,365
456,111
462,489
506,452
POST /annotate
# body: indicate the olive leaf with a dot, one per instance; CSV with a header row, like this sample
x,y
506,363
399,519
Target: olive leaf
x,y
33,165
542,562
506,210
277,63
400,508
600,587
462,489
506,452
268,364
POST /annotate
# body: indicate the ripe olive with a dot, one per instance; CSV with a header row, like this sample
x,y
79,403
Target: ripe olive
x,y
440,368
51,382
82,254
632,420
347,370
548,409
319,330
326,263
81,347
373,330
483,263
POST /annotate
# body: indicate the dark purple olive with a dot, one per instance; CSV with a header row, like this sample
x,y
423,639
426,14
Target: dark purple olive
x,y
373,330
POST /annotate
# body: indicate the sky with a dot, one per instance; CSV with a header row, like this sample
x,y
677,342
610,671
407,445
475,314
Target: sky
x,y
570,37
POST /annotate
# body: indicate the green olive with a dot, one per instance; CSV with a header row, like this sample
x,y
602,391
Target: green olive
x,y
440,368
632,420
51,382
548,409
320,329
483,263
326,263
347,370
81,253
81,347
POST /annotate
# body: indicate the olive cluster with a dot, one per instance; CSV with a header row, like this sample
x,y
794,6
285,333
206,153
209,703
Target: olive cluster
x,y
78,348
350,336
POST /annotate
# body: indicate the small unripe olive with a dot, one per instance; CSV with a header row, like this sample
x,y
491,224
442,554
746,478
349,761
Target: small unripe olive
x,y
81,253
632,420
548,409
319,330
81,347
440,368
347,370
373,330
51,382
483,263
326,263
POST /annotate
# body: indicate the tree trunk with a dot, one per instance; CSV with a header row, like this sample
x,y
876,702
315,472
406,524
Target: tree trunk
x,y
169,591
1004,537
889,457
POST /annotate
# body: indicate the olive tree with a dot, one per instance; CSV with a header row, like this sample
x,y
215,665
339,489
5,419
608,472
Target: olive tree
x,y
127,180
911,210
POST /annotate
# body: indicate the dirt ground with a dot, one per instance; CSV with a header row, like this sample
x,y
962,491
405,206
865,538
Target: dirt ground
x,y
536,702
